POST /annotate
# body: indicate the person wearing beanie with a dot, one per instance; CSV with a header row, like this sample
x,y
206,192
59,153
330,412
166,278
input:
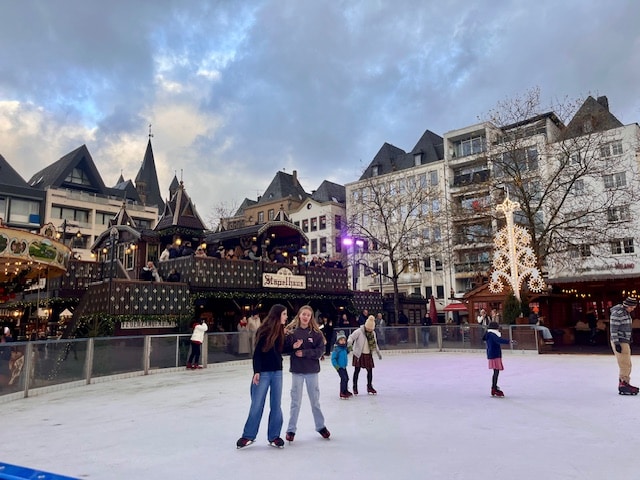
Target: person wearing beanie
x,y
197,337
620,325
364,343
304,368
493,338
340,360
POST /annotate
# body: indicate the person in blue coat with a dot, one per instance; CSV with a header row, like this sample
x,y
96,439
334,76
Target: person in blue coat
x,y
494,340
340,360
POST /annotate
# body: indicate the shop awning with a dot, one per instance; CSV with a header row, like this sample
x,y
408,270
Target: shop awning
x,y
456,307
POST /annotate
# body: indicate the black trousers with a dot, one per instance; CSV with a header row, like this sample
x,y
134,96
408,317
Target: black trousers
x,y
194,358
344,380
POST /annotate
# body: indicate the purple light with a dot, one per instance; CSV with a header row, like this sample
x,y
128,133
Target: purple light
x,y
348,241
359,243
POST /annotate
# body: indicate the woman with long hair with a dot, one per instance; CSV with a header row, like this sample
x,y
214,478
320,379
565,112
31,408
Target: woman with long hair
x,y
267,377
305,365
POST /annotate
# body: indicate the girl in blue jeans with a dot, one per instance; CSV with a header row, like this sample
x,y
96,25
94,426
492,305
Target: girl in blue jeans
x,y
267,377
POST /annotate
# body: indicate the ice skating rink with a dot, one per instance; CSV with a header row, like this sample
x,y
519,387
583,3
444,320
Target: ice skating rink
x,y
433,418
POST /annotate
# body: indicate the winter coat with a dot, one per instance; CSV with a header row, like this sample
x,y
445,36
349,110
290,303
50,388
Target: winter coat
x,y
358,340
493,344
339,356
198,332
312,349
620,324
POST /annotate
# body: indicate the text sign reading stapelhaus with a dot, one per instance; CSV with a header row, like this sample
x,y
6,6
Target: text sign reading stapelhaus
x,y
284,279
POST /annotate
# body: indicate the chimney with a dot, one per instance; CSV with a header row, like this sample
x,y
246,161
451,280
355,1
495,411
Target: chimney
x,y
604,102
295,178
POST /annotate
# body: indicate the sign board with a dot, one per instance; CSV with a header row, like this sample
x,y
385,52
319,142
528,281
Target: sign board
x,y
284,278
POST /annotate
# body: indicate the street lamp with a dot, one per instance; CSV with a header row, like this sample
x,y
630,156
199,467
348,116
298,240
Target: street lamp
x,y
353,243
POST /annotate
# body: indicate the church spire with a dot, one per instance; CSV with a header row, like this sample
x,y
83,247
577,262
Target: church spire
x,y
147,183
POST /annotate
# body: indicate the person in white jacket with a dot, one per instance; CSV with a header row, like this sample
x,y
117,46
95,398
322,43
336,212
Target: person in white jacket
x,y
364,343
197,337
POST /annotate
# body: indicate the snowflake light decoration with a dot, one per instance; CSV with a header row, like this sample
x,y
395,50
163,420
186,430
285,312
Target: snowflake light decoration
x,y
513,258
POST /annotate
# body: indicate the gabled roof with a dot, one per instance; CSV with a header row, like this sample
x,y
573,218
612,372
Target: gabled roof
x,y
147,180
173,187
596,114
431,146
282,186
123,218
128,190
386,160
55,175
246,203
12,183
330,192
180,212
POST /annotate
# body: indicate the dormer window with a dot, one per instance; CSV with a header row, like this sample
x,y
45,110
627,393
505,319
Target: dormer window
x,y
375,171
417,159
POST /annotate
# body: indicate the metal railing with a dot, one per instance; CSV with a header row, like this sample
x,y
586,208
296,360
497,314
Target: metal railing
x,y
32,368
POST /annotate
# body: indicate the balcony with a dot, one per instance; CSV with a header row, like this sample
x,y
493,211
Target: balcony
x,y
469,179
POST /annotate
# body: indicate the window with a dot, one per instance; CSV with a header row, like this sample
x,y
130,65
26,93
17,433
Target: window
x,y
438,264
3,207
618,214
314,246
102,218
574,159
585,250
429,292
433,178
323,222
417,159
297,223
337,222
470,146
611,149
435,206
422,181
24,211
578,187
260,217
271,214
615,180
66,213
622,246
143,223
305,225
338,244
375,170
323,245
314,224
439,291
78,177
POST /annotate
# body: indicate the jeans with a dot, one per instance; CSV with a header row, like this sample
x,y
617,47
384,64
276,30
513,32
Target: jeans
x,y
344,380
425,336
271,381
313,390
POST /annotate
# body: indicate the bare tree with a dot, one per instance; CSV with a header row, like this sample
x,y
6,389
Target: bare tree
x,y
222,214
573,180
401,218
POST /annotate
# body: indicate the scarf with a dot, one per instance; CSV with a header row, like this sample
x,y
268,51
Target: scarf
x,y
371,340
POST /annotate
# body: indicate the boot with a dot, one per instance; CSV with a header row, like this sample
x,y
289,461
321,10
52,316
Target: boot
x,y
188,366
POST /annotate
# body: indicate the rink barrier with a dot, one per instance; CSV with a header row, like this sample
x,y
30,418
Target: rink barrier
x,y
45,366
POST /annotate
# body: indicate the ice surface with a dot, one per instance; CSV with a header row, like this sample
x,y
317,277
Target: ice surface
x,y
433,418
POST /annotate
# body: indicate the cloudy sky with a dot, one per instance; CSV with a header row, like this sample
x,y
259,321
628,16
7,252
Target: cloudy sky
x,y
237,90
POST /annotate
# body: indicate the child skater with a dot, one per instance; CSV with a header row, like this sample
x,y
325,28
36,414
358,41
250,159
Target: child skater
x,y
494,355
197,337
339,360
304,368
364,343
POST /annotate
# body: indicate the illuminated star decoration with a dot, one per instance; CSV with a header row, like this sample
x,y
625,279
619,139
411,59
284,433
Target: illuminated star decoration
x,y
513,258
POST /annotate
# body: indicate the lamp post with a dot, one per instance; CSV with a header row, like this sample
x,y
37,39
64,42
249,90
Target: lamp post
x,y
353,243
113,243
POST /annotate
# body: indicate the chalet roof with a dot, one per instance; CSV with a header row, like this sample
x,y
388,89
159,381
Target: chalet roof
x,y
56,174
128,190
330,192
257,231
122,218
246,203
282,186
596,114
147,180
180,212
173,187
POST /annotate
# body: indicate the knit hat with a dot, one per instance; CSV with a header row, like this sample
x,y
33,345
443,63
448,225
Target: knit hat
x,y
340,335
370,324
630,302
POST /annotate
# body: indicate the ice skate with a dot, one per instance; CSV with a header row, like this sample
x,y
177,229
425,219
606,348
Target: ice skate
x,y
344,396
496,392
625,389
277,443
243,442
290,436
355,389
188,366
324,432
371,390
